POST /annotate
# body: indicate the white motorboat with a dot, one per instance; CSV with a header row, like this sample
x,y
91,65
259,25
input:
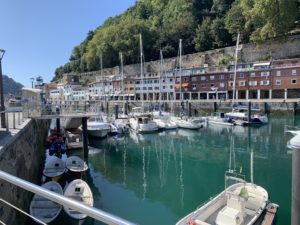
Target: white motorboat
x,y
185,123
76,166
243,116
122,125
74,138
142,122
163,120
98,128
44,209
241,203
54,168
219,119
80,191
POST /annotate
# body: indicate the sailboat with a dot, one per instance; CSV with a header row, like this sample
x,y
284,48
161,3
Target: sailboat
x,y
241,203
139,121
239,114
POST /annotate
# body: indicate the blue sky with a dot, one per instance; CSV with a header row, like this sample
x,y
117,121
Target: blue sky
x,y
39,35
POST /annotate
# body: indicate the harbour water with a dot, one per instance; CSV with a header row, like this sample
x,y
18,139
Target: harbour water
x,y
158,178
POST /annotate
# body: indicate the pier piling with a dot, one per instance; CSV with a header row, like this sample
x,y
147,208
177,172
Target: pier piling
x,y
295,146
190,109
249,112
215,107
116,111
58,125
102,107
107,105
126,108
85,138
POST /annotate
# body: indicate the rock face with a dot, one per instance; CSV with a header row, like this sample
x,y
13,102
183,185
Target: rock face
x,y
249,53
22,157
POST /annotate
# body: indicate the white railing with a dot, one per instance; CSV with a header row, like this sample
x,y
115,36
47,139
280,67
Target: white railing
x,y
97,214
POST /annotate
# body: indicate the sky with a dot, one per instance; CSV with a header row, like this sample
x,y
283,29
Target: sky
x,y
39,35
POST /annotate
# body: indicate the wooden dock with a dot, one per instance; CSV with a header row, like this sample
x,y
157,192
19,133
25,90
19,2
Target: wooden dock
x,y
270,216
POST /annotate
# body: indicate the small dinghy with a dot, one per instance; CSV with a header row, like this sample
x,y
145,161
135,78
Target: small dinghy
x,y
44,209
76,166
80,191
54,168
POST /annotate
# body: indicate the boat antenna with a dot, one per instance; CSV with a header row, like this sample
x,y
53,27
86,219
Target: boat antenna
x,y
235,66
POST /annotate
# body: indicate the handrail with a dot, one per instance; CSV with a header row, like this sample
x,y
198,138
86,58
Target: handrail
x,y
67,202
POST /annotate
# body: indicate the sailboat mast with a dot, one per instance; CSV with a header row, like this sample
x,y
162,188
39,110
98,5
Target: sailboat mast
x,y
235,66
122,75
251,166
142,80
101,75
180,61
160,74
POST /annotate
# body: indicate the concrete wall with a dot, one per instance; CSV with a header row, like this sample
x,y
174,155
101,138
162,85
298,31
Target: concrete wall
x,y
23,157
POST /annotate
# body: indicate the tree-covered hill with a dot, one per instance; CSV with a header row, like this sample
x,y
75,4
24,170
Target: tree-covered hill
x,y
10,86
202,24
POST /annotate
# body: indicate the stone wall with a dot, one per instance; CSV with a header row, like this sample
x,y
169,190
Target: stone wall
x,y
23,157
282,49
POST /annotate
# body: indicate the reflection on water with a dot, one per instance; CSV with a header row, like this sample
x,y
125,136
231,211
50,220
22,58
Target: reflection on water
x,y
158,178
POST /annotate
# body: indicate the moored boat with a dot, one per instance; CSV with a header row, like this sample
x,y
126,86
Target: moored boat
x,y
54,168
43,209
98,128
241,203
74,138
80,191
186,123
76,166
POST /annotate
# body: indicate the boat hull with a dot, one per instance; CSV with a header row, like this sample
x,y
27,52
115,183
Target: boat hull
x,y
98,133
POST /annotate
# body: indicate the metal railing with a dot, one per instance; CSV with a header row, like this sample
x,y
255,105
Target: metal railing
x,y
97,214
13,118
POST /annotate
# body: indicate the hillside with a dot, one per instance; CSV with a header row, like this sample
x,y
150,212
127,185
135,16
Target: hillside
x,y
10,86
203,25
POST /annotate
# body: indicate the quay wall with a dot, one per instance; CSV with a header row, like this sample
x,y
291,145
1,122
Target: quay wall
x,y
203,108
23,157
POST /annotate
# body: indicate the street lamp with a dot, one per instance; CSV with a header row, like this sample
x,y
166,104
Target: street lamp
x,y
2,51
32,80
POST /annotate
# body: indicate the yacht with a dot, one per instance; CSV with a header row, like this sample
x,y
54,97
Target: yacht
x,y
219,119
96,127
241,203
186,123
241,115
163,120
142,122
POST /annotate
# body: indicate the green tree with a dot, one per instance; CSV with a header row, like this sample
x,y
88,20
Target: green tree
x,y
220,34
203,39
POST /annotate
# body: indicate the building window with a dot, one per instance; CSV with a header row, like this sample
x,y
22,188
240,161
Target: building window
x,y
194,86
278,82
212,77
252,83
230,83
186,79
222,85
131,89
264,82
156,88
144,88
294,81
265,73
252,74
242,75
278,73
203,78
242,83
203,85
171,79
178,79
294,72
222,76
171,86
194,78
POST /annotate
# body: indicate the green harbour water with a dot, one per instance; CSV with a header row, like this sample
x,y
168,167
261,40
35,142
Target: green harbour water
x,y
158,178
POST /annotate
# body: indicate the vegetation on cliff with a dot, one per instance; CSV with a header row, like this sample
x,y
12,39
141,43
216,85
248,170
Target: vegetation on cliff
x,y
202,24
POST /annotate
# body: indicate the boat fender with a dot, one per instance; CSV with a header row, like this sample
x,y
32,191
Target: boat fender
x,y
192,222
